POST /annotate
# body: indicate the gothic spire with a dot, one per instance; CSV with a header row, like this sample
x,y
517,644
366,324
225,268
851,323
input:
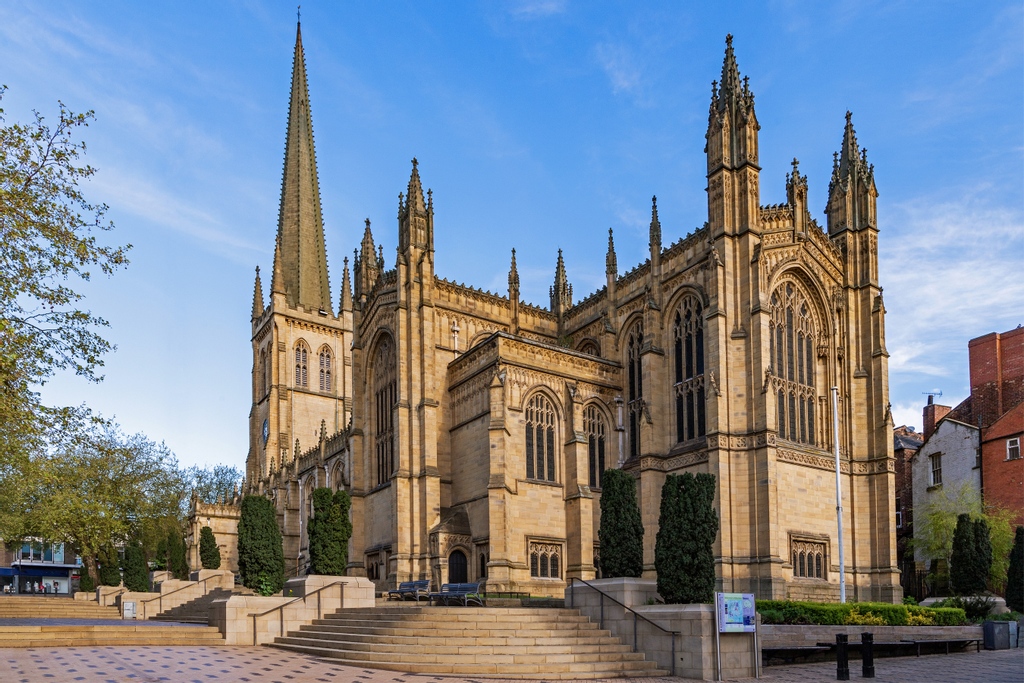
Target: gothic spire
x,y
851,191
655,236
257,296
345,301
561,291
415,215
277,278
513,277
302,255
611,264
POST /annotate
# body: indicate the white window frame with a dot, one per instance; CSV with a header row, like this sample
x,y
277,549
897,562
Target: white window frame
x,y
1013,448
933,460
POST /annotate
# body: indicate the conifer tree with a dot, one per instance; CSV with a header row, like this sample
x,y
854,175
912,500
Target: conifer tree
x,y
983,553
136,573
684,551
329,531
209,553
260,549
110,572
621,533
177,562
1015,573
963,561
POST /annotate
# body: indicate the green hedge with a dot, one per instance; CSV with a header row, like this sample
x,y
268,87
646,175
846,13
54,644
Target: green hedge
x,y
877,613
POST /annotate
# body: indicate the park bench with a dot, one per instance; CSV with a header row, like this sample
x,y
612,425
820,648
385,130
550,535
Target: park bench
x,y
790,653
413,590
464,593
960,643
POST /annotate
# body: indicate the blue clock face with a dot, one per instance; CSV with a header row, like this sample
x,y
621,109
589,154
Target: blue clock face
x,y
266,431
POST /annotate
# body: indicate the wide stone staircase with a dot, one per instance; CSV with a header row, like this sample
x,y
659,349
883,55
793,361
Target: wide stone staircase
x,y
31,607
482,642
195,611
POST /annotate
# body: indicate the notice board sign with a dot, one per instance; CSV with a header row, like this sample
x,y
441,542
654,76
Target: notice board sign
x,y
736,612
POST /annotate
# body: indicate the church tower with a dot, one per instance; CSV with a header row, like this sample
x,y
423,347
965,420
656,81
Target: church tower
x,y
301,360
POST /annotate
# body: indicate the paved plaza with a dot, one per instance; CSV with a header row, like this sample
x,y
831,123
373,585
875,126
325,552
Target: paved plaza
x,y
268,665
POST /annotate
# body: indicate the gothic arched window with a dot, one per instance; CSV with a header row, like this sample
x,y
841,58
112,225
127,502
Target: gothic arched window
x,y
325,369
791,351
635,386
590,348
688,333
594,428
385,393
301,365
264,385
540,439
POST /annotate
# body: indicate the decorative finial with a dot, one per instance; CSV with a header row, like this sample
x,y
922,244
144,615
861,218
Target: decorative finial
x,y
728,40
415,163
849,116
298,14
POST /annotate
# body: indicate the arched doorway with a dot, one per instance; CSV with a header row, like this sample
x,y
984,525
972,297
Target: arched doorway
x,y
457,567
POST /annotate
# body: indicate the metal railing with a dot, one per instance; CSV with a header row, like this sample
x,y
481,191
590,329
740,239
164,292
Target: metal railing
x,y
280,608
160,598
629,610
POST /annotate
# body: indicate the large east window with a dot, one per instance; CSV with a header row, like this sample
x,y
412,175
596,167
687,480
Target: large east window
x,y
385,393
688,334
791,348
540,439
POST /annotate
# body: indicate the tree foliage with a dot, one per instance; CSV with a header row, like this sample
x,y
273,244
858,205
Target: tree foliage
x,y
330,528
177,560
136,572
688,524
209,553
110,570
260,549
1015,573
212,484
621,532
971,556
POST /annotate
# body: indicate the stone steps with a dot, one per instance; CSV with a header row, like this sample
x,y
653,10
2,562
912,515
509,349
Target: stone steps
x,y
506,642
129,634
194,611
25,607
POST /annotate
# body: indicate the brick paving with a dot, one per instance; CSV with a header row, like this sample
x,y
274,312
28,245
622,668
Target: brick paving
x,y
268,665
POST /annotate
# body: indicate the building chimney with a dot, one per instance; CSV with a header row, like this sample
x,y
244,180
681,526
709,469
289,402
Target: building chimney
x,y
932,413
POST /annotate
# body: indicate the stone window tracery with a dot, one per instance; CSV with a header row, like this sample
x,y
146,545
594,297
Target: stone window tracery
x,y
635,386
540,439
594,428
545,560
688,334
791,352
301,365
325,369
808,559
385,392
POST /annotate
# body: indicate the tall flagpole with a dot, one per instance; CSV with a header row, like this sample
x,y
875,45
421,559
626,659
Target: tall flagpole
x,y
839,495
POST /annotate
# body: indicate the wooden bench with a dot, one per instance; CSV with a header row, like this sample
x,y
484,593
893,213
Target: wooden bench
x,y
789,653
411,590
464,593
959,642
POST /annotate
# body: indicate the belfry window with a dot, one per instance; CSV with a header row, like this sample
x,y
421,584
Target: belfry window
x,y
635,381
301,365
540,439
325,369
792,357
688,334
385,393
594,428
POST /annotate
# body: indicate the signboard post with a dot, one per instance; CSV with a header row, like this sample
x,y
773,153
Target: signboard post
x,y
735,613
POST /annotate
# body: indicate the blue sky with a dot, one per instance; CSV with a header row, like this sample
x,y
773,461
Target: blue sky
x,y
539,124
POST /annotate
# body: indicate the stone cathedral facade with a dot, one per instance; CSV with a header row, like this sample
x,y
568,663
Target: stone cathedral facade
x,y
472,429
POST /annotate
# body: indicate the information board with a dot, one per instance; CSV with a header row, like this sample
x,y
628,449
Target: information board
x,y
736,613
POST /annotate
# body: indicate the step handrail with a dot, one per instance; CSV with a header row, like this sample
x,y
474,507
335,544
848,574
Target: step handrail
x,y
630,610
160,605
319,610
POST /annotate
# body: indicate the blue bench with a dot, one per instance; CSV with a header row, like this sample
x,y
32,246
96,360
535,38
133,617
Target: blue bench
x,y
464,593
411,590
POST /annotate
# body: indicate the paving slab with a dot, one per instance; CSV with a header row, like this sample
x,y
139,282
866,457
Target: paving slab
x,y
269,665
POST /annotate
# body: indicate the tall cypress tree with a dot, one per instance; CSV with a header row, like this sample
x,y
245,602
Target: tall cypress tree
x,y
260,549
963,560
177,562
136,573
621,533
110,572
329,531
983,554
1015,573
684,552
209,553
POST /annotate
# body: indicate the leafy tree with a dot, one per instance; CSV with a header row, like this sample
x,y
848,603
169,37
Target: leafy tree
x,y
329,531
177,562
209,484
136,573
160,558
1015,573
110,572
97,488
621,532
688,524
49,232
209,553
260,549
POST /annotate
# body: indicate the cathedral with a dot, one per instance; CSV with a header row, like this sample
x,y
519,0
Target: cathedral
x,y
473,430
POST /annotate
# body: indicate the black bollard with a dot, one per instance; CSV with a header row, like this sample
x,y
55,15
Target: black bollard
x,y
867,654
842,658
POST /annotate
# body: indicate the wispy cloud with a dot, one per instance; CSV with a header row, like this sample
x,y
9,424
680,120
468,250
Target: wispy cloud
x,y
620,65
538,9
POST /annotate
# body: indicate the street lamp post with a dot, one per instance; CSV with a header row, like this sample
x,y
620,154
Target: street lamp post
x,y
839,494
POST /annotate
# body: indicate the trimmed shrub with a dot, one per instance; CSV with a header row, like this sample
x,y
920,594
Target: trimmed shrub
x,y
136,573
683,555
1015,573
866,613
209,553
110,573
329,531
86,584
260,549
621,533
177,562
